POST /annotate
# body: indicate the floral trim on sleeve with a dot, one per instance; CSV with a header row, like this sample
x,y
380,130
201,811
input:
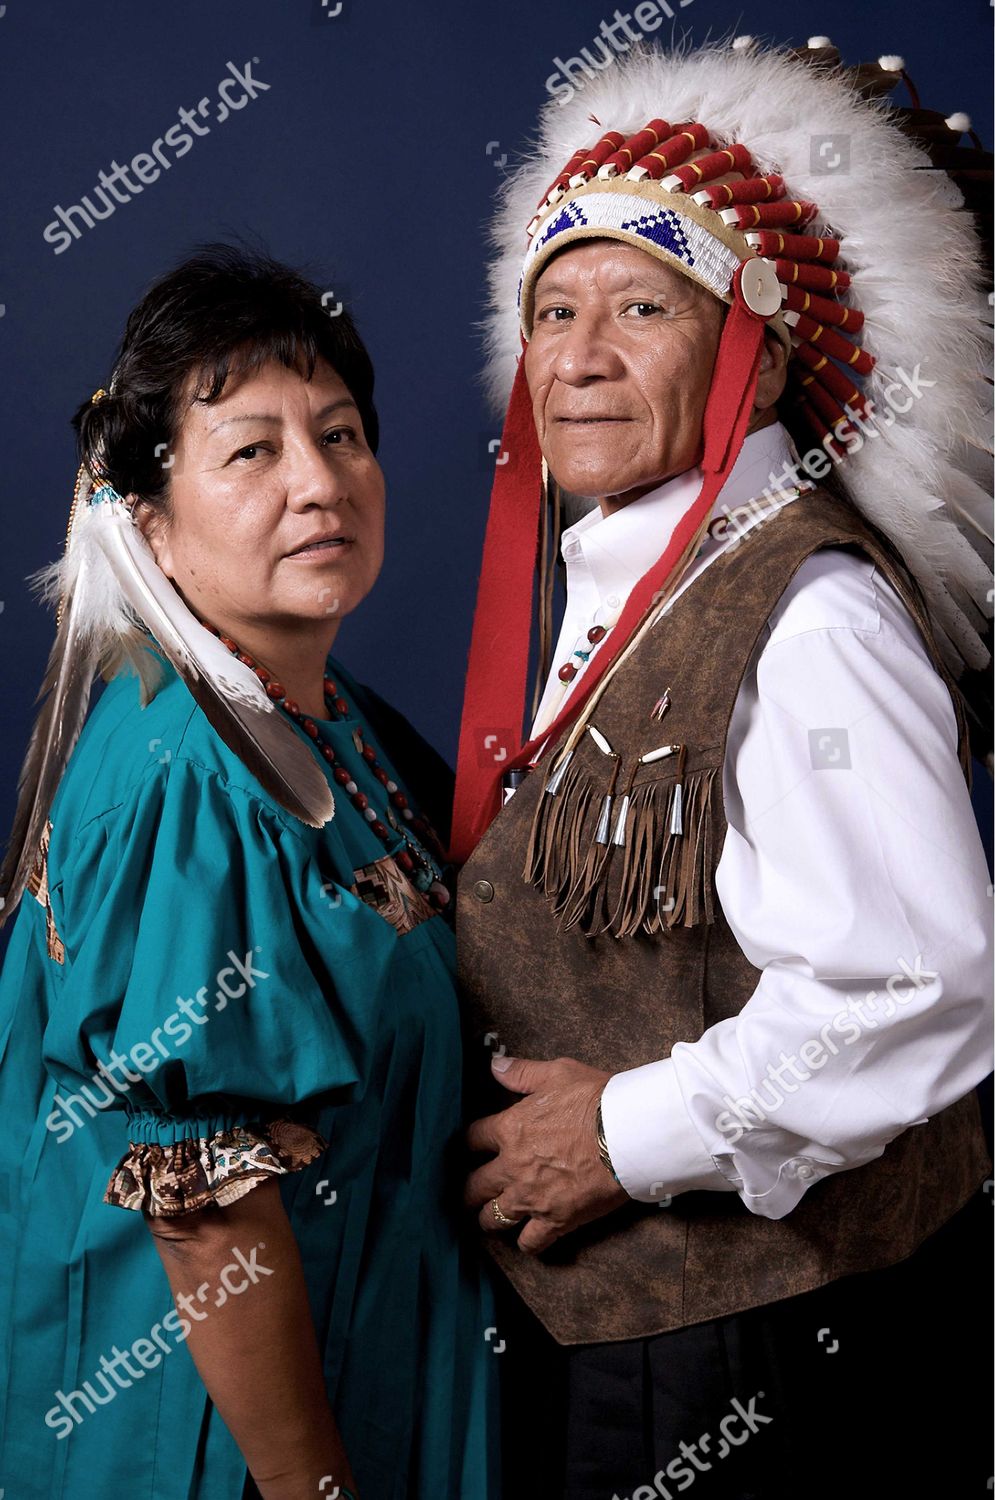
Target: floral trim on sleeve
x,y
164,1181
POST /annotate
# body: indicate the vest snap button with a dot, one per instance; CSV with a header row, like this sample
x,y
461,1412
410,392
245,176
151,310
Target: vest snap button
x,y
483,890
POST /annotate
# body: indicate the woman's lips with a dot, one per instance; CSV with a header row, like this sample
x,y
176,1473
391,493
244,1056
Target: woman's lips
x,y
322,551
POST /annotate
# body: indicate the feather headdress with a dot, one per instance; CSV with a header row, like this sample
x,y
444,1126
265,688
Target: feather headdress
x,y
113,603
746,169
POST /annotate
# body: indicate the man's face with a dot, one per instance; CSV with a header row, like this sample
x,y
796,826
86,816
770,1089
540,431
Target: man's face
x,y
619,367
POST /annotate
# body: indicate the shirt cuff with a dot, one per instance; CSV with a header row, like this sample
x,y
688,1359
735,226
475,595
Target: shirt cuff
x,y
655,1149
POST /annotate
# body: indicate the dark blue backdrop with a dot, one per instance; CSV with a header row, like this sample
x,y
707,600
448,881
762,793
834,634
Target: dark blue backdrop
x,y
366,158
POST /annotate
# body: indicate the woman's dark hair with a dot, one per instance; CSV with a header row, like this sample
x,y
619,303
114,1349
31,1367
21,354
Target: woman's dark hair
x,y
221,313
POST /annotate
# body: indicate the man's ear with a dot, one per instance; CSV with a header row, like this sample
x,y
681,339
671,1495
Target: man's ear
x,y
773,374
151,524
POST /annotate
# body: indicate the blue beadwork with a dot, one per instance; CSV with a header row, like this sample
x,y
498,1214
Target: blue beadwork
x,y
664,228
569,217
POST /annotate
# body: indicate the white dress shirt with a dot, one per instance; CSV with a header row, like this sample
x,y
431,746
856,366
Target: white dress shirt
x,y
852,876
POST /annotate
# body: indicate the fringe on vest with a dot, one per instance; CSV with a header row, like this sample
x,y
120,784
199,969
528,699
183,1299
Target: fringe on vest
x,y
640,863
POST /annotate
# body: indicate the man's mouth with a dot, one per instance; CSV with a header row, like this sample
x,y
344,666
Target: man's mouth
x,y
590,421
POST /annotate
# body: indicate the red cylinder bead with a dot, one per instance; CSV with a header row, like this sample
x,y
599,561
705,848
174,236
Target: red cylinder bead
x,y
369,753
567,672
342,705
596,633
275,689
310,727
399,800
292,707
342,775
361,800
405,861
380,829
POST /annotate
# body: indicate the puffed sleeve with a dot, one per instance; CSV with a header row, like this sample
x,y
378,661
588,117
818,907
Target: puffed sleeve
x,y
221,981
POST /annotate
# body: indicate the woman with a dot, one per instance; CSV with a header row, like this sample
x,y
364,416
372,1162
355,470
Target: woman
x,y
224,1010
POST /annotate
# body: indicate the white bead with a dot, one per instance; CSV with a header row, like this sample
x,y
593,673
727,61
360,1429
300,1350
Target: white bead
x,y
370,814
392,786
351,788
407,813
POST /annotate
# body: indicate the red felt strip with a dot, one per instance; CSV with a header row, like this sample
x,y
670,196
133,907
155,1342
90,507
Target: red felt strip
x,y
836,345
834,314
797,246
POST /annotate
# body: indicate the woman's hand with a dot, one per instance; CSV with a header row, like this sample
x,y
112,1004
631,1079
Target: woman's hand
x,y
237,1280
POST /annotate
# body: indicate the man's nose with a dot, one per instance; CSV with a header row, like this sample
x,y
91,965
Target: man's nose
x,y
586,351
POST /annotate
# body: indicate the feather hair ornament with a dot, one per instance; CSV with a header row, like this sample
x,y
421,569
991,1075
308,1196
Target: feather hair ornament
x,y
114,602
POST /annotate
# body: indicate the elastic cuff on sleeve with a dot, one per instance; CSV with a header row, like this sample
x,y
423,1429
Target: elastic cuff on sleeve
x,y
165,1181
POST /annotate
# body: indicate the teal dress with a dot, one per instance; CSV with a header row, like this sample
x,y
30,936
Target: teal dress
x,y
201,992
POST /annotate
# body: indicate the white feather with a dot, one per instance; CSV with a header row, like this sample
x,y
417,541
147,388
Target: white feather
x,y
123,580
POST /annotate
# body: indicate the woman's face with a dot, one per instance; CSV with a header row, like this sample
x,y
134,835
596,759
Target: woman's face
x,y
277,503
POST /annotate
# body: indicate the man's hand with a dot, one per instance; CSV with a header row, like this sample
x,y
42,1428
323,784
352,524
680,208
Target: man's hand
x,y
546,1165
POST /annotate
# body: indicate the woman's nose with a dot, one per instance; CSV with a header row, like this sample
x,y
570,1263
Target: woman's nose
x,y
311,478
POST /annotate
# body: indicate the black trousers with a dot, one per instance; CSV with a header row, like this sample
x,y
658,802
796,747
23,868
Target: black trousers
x,y
877,1385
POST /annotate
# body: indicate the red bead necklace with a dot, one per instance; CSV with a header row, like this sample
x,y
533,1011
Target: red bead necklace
x,y
413,860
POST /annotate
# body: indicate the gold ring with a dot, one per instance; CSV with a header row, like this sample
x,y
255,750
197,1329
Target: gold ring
x,y
502,1218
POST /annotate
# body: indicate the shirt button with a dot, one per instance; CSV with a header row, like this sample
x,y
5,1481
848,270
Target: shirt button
x,y
483,890
805,1171
571,550
612,601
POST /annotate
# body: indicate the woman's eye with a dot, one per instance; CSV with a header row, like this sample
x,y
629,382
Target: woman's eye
x,y
252,450
338,435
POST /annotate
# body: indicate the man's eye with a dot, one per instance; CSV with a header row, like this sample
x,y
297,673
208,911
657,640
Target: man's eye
x,y
339,435
555,314
644,309
252,450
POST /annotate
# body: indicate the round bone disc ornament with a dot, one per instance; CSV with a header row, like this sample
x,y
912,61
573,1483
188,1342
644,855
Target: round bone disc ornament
x,y
760,287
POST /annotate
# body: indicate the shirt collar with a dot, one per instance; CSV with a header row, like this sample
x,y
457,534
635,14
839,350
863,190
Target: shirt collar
x,y
614,551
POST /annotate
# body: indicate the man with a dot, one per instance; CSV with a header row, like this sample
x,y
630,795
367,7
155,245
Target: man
x,y
728,940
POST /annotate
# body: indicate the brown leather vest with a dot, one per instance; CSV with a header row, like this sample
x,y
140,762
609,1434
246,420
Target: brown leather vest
x,y
543,990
